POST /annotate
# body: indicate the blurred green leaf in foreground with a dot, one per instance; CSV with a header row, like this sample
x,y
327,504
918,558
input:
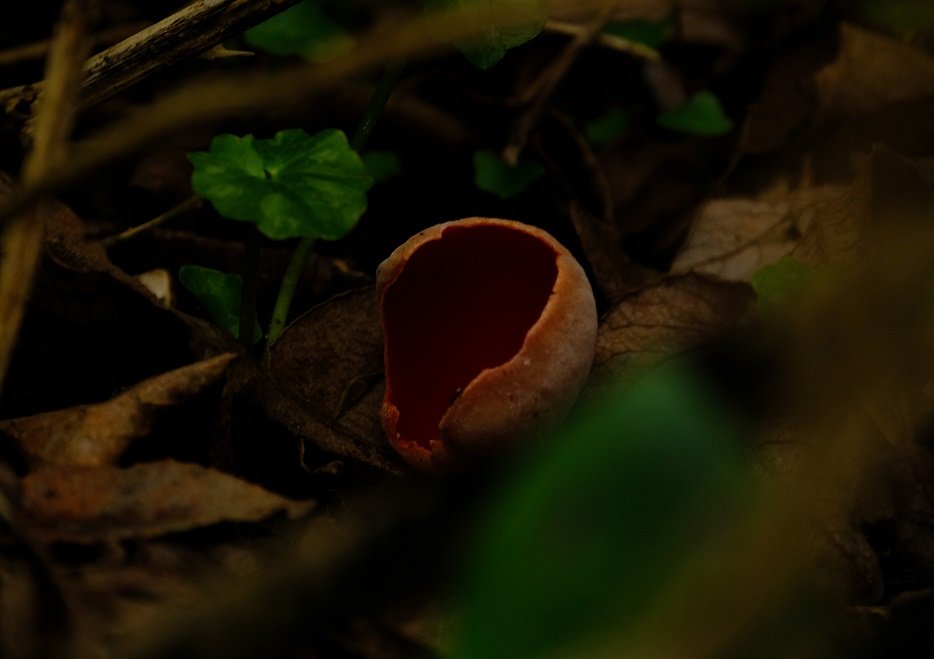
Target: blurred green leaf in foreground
x,y
304,29
586,538
779,285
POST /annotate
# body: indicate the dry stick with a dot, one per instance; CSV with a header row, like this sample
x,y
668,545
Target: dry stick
x,y
190,31
21,239
548,81
610,41
237,95
192,203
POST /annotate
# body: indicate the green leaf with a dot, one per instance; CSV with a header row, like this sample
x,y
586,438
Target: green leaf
x,y
492,174
580,542
300,30
219,293
381,164
649,33
783,282
524,20
701,115
291,186
608,128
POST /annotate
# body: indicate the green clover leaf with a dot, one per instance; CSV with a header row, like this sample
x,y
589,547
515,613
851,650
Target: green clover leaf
x,y
493,175
219,293
608,128
648,33
291,186
701,115
526,18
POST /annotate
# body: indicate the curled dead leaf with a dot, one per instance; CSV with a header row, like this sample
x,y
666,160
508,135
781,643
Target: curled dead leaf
x,y
870,72
734,238
82,504
96,435
330,363
666,317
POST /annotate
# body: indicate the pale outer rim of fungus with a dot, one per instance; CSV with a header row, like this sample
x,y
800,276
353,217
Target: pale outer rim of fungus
x,y
497,404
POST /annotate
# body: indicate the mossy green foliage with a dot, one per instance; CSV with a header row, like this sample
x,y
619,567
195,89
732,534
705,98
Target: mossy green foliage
x,y
608,128
525,19
648,33
779,285
701,115
582,540
493,175
304,29
219,293
291,186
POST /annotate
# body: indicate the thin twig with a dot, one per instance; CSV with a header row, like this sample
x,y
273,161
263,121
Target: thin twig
x,y
610,41
21,239
239,94
192,30
192,203
546,84
220,53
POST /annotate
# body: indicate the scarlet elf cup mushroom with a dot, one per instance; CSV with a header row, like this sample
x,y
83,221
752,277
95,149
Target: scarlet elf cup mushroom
x,y
490,328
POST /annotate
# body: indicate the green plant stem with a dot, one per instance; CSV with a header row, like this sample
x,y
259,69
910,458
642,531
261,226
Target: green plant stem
x,y
375,107
249,292
360,137
280,312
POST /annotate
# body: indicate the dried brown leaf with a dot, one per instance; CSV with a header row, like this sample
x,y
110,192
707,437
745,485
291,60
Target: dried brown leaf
x,y
615,273
331,360
19,610
846,562
428,622
571,161
120,598
786,100
669,316
68,246
117,601
733,238
913,492
147,500
36,619
870,72
97,435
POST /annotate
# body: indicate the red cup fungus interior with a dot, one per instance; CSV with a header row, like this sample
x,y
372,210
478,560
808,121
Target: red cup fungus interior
x,y
461,304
